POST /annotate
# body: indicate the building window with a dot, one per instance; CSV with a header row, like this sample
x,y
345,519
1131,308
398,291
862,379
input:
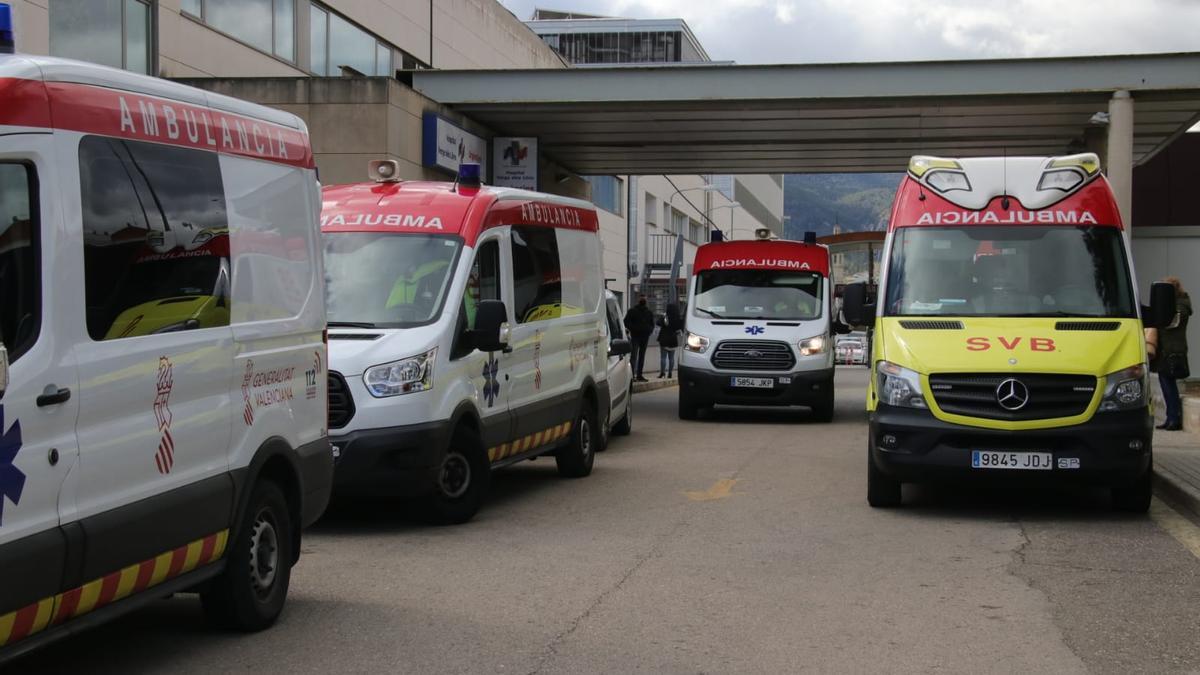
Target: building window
x,y
679,222
607,193
266,25
338,44
109,32
651,209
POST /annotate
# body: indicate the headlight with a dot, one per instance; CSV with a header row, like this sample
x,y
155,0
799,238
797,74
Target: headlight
x,y
696,343
813,345
948,181
1125,389
202,238
899,386
401,377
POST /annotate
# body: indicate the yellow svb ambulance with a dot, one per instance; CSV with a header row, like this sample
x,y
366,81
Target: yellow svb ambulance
x,y
1008,332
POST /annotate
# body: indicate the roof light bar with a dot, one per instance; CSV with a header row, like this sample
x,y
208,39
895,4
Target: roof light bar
x,y
7,39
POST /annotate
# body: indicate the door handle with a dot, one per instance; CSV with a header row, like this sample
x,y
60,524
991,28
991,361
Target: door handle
x,y
53,395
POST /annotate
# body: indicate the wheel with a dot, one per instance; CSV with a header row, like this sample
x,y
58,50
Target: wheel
x,y
688,410
823,409
250,593
1135,497
575,459
625,425
460,482
883,491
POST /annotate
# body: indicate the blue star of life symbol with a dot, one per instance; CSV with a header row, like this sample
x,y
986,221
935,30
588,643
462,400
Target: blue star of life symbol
x,y
755,330
12,481
491,385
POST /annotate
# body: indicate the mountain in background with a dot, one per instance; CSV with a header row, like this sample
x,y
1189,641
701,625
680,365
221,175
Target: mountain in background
x,y
854,202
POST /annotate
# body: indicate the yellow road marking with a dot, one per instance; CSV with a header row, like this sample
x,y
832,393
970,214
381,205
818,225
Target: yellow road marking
x,y
720,490
1184,531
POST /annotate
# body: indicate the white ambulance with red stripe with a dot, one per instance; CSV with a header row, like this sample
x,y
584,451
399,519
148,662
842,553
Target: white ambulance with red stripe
x,y
467,332
163,395
759,327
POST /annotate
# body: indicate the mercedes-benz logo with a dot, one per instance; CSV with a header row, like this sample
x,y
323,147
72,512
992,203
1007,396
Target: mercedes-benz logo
x,y
1012,395
753,354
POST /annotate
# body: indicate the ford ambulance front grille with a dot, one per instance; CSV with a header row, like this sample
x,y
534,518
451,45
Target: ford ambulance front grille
x,y
341,404
753,355
1013,397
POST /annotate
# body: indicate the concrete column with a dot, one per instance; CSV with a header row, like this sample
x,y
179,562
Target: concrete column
x,y
1120,155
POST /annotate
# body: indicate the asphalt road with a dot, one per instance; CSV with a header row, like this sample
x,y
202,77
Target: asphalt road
x,y
739,544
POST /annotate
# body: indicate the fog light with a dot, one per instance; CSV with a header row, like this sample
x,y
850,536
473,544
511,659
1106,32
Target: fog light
x,y
1135,445
889,441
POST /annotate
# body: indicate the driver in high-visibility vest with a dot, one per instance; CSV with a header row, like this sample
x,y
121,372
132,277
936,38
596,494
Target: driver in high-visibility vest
x,y
415,287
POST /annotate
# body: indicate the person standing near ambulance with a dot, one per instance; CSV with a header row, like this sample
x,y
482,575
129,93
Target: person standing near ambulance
x,y
640,322
1172,358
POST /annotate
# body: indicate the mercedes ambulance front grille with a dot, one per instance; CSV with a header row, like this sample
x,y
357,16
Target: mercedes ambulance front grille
x,y
1013,397
753,355
341,404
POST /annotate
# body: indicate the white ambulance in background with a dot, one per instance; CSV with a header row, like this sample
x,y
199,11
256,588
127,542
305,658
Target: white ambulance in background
x,y
162,419
759,327
467,332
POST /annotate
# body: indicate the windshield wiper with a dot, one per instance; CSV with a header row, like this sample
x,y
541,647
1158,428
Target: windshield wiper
x,y
351,324
710,313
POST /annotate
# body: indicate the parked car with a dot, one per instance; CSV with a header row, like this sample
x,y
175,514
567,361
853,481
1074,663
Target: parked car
x,y
467,332
620,372
163,418
850,351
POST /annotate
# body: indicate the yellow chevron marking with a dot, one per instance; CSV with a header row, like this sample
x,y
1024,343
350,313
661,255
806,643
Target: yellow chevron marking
x,y
568,429
88,596
162,565
537,438
44,613
219,548
492,453
6,626
193,556
128,579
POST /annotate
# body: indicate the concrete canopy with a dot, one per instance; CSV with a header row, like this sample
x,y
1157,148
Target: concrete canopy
x,y
859,117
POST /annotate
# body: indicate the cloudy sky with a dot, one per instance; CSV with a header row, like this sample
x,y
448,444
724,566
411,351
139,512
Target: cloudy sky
x,y
813,31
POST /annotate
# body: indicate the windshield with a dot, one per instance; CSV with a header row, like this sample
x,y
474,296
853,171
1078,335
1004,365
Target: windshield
x,y
758,294
385,279
1009,271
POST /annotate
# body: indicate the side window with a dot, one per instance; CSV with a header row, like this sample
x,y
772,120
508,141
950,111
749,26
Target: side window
x,y
615,330
483,283
20,281
537,277
156,238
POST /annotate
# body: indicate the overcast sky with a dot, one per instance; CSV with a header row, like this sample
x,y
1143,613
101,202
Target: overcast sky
x,y
813,31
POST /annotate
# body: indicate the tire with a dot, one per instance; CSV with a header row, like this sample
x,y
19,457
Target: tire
x,y
688,410
1135,497
823,410
883,491
575,459
624,426
461,481
250,593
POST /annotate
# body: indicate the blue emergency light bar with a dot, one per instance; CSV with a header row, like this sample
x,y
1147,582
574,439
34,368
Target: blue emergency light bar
x,y
810,237
469,175
7,43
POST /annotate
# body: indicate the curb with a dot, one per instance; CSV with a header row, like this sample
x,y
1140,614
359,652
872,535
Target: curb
x,y
1174,489
640,387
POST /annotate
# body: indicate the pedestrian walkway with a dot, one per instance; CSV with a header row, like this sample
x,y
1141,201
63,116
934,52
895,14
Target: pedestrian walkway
x,y
1177,477
651,372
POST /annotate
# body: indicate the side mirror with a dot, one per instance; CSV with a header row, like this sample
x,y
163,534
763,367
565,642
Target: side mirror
x,y
1161,311
855,307
492,332
619,347
3,369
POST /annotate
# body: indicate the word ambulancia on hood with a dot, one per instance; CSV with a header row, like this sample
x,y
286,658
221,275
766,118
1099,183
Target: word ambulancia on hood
x,y
389,220
760,262
1047,217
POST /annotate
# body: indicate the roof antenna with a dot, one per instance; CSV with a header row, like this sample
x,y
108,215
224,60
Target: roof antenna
x,y
1004,199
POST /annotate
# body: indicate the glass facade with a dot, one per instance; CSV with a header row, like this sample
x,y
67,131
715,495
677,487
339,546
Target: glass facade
x,y
266,25
608,193
109,32
337,43
632,47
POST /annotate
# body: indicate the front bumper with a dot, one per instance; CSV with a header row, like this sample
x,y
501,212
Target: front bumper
x,y
392,462
920,447
706,387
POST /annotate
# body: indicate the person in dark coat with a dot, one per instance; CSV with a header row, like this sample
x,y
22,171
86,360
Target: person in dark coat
x,y
668,341
639,321
1172,357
